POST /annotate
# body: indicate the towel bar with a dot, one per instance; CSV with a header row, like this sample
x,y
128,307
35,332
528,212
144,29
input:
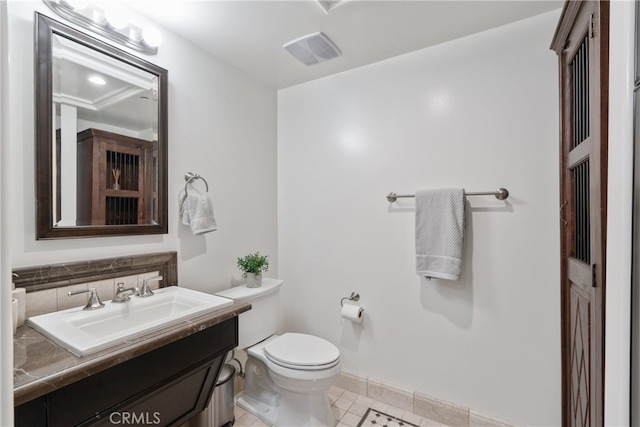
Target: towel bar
x,y
500,193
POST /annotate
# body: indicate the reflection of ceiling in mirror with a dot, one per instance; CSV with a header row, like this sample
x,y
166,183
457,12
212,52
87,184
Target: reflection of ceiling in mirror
x,y
127,99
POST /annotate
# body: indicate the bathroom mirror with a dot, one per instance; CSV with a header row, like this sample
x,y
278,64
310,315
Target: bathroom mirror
x,y
101,137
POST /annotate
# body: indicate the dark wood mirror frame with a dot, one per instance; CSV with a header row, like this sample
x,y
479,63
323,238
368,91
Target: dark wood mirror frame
x,y
45,29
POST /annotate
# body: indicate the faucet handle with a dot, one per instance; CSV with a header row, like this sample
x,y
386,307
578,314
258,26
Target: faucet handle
x,y
146,290
94,302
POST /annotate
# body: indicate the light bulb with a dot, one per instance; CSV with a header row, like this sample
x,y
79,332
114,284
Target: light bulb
x,y
152,37
116,17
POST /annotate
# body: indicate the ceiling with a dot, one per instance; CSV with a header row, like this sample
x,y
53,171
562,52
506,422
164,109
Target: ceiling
x,y
249,34
125,97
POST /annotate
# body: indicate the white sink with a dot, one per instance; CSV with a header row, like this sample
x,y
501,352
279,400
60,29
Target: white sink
x,y
84,332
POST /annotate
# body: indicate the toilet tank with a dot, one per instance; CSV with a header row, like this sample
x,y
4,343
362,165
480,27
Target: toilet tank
x,y
261,321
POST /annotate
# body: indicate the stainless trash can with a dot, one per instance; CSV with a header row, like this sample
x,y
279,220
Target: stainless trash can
x,y
222,403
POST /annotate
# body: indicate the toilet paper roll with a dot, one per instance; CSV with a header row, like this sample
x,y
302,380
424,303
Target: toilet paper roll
x,y
14,311
352,312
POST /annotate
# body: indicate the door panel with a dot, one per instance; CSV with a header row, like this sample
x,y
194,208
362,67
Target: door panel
x,y
581,42
580,360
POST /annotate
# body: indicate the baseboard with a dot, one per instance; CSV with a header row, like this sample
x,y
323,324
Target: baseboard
x,y
418,403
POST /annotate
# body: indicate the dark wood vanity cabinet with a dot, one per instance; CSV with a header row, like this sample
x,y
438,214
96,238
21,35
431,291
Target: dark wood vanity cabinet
x,y
163,387
114,179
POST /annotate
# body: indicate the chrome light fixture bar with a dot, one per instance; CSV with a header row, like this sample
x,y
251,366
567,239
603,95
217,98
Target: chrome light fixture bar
x,y
94,18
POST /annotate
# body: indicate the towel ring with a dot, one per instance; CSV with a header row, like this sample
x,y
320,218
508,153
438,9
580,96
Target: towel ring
x,y
190,177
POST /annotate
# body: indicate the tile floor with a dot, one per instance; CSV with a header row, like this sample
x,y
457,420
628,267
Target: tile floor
x,y
349,408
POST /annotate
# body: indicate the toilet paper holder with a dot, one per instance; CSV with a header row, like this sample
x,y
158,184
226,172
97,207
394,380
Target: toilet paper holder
x,y
353,297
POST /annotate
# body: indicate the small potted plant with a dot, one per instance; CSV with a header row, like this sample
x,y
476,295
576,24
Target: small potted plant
x,y
252,267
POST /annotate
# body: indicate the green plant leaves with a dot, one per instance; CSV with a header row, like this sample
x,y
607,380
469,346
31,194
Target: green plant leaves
x,y
253,263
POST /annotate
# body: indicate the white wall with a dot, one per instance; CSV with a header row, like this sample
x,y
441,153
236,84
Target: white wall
x,y
6,349
619,216
222,125
480,113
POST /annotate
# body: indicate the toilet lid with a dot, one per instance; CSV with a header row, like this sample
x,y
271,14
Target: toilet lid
x,y
301,351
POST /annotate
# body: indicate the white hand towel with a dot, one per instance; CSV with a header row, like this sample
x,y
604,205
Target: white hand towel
x,y
184,213
196,210
440,233
202,219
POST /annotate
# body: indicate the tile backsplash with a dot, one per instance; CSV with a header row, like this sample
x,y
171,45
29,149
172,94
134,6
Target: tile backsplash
x,y
50,300
47,286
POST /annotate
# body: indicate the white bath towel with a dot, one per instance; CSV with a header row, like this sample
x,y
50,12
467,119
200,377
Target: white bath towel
x,y
196,211
440,233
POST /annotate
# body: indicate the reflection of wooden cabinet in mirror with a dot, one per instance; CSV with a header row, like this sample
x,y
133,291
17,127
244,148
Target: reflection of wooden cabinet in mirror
x,y
114,179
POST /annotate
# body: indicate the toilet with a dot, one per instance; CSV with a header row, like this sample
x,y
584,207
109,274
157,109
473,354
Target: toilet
x,y
288,376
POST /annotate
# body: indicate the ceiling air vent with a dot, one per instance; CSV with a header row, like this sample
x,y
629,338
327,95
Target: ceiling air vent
x,y
312,49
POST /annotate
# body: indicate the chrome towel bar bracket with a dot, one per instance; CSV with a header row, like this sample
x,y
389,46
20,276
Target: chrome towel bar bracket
x,y
500,194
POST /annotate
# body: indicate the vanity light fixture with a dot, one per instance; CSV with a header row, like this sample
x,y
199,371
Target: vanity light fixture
x,y
77,4
111,22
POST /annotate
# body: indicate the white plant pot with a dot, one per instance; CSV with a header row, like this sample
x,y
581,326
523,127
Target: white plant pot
x,y
254,280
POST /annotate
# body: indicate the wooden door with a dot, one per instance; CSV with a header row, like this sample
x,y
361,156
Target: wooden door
x,y
581,42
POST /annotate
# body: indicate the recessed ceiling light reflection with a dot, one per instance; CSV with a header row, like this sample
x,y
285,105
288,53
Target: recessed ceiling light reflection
x,y
97,80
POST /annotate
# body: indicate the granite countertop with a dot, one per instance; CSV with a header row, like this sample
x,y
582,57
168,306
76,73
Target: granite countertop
x,y
41,366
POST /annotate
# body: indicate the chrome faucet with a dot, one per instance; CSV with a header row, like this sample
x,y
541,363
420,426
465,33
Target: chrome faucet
x,y
146,291
124,294
94,302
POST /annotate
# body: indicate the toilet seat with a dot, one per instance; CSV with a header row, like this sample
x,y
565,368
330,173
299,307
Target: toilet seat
x,y
302,352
